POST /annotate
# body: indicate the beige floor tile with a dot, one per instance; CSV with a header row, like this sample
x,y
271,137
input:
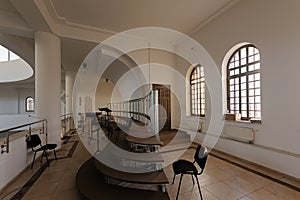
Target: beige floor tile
x,y
232,169
240,184
38,198
67,182
71,194
50,177
218,174
254,179
262,194
194,195
223,191
282,191
206,179
42,190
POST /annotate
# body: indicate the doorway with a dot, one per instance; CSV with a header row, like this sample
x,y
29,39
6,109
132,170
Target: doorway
x,y
164,100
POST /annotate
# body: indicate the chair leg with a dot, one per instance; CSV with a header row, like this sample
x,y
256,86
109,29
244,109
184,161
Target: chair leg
x,y
193,180
55,154
47,158
42,158
179,186
173,178
199,187
33,160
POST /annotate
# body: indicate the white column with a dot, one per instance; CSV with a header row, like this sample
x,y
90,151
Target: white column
x,y
48,82
69,81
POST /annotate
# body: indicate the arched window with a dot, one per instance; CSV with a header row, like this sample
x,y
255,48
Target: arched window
x,y
197,83
243,83
29,104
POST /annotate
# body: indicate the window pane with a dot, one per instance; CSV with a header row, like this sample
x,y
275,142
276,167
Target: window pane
x,y
257,57
244,106
251,85
237,81
258,114
251,77
237,71
251,99
244,100
251,59
243,86
257,107
243,61
244,113
257,99
251,51
236,56
243,53
257,92
3,54
251,67
251,106
257,84
237,100
13,56
244,93
243,69
251,92
236,64
251,114
243,79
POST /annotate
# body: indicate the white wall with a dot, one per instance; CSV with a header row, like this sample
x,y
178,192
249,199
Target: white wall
x,y
12,100
8,101
104,94
273,27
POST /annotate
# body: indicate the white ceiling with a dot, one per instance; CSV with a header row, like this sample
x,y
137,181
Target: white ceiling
x,y
121,15
79,22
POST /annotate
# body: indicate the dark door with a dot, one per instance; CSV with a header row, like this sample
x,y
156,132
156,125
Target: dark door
x,y
164,100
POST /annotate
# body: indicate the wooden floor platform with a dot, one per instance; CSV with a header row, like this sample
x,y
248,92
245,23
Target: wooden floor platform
x,y
92,184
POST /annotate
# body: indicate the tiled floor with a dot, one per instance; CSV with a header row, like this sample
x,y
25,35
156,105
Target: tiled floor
x,y
220,181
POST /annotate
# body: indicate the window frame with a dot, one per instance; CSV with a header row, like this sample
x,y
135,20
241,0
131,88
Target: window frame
x,y
198,100
27,102
246,66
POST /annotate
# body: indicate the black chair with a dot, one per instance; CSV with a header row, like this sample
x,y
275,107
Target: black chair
x,y
188,167
35,143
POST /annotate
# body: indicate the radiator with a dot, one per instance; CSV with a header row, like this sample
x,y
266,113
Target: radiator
x,y
242,134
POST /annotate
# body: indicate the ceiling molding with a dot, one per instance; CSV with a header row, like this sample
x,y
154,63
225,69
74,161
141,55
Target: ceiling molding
x,y
213,16
66,22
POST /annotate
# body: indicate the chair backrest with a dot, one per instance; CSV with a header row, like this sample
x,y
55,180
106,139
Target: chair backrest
x,y
33,140
201,156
